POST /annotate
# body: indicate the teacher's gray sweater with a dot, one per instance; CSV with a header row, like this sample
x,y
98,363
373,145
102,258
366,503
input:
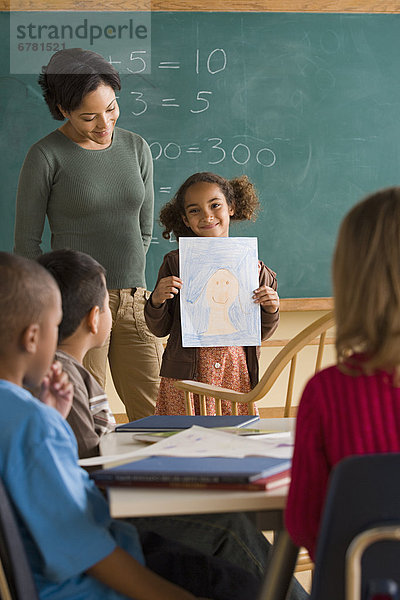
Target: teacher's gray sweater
x,y
97,201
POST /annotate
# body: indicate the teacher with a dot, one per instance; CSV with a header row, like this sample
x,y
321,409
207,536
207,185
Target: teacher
x,y
94,181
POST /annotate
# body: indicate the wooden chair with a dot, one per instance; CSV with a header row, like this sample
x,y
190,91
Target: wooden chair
x,y
287,355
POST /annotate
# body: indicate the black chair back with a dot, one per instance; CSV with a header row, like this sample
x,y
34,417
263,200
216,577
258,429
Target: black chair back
x,y
364,492
12,553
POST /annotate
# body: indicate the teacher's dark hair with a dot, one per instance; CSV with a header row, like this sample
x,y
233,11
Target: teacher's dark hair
x,y
70,75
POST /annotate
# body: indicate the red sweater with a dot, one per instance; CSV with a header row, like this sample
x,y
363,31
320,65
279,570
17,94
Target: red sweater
x,y
338,415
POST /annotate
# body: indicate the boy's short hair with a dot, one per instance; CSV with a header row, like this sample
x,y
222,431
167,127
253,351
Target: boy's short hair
x,y
81,280
25,289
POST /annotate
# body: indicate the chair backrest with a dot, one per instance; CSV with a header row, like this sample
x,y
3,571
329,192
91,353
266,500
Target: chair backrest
x,y
363,494
289,354
16,579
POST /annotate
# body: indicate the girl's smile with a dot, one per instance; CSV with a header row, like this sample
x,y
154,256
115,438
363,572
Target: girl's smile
x,y
207,212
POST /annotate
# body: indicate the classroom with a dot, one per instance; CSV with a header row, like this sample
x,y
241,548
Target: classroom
x,y
326,155
298,95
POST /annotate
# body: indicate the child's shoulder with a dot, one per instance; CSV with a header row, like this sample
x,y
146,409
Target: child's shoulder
x,y
326,383
171,258
172,254
27,417
266,275
77,373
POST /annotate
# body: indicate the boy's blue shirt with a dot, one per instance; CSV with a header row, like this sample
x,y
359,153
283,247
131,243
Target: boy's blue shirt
x,y
64,519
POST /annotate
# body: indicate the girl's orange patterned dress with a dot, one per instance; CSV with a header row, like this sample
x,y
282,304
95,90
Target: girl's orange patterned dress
x,y
224,367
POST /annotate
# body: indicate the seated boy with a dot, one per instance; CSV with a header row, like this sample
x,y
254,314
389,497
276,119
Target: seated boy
x,y
86,324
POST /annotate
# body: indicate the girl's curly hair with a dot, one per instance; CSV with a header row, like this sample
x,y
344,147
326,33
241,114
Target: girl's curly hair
x,y
239,192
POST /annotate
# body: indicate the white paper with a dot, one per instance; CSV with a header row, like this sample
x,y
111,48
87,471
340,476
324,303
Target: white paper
x,y
94,461
203,441
206,442
219,277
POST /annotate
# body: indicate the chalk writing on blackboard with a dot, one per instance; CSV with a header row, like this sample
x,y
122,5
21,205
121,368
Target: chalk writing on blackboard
x,y
240,153
156,240
214,62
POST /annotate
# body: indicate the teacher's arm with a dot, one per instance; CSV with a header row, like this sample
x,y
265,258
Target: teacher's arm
x,y
147,210
34,187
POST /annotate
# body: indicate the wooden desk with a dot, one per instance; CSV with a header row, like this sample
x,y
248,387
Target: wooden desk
x,y
267,508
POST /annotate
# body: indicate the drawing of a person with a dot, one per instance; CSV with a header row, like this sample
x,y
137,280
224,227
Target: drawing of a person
x,y
221,291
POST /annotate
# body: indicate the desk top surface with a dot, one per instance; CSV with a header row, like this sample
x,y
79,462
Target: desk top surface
x,y
140,502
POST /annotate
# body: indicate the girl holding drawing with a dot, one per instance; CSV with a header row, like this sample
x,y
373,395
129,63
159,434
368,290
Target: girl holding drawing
x,y
203,207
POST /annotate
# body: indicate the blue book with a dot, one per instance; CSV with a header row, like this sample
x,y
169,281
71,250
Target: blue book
x,y
177,422
170,471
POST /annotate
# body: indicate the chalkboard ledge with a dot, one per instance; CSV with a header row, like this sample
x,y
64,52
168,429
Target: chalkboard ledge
x,y
302,304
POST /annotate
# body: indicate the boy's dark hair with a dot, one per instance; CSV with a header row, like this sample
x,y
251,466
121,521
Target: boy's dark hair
x,y
239,192
82,286
25,288
70,75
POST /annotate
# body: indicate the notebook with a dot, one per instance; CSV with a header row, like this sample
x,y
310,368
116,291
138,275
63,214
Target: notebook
x,y
173,470
176,422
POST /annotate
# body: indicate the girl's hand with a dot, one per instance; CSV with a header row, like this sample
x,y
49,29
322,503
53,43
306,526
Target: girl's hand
x,y
267,297
57,390
166,289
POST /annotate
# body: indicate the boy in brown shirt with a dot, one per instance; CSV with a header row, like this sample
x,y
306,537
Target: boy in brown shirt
x,y
86,324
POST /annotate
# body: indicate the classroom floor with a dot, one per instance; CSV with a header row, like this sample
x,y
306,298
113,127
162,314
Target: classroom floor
x,y
303,573
305,578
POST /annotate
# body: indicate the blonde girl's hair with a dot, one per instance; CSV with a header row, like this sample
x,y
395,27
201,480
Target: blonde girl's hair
x,y
366,280
239,192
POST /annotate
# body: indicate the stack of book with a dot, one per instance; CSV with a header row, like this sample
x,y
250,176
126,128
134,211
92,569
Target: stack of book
x,y
179,422
248,473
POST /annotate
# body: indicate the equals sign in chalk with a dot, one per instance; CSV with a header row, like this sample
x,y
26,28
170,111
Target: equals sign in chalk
x,y
169,102
194,149
169,64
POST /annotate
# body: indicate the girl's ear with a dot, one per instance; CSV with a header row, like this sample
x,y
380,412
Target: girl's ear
x,y
231,210
92,319
184,219
30,338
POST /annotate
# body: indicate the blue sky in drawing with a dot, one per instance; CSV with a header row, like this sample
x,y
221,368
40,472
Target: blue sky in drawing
x,y
199,259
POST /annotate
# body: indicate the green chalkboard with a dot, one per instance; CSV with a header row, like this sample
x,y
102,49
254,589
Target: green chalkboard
x,y
307,105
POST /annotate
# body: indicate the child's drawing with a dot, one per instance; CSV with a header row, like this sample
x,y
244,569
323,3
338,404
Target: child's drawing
x,y
219,276
222,289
